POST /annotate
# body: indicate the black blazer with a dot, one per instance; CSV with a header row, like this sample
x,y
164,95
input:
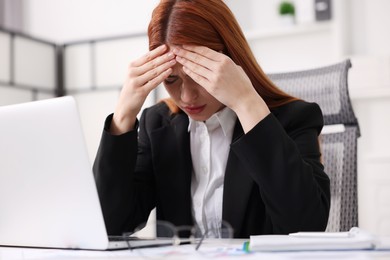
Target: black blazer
x,y
274,181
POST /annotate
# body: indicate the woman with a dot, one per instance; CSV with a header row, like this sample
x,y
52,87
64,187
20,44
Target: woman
x,y
227,146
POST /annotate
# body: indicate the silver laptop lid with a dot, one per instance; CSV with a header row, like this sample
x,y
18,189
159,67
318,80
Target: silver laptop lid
x,y
48,196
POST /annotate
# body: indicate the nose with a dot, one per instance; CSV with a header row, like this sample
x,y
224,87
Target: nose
x,y
188,91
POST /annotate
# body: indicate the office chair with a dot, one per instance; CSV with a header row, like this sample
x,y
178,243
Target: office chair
x,y
328,87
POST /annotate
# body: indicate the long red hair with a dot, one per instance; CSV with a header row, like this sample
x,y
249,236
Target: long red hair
x,y
210,23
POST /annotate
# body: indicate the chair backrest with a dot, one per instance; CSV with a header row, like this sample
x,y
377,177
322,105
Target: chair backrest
x,y
328,87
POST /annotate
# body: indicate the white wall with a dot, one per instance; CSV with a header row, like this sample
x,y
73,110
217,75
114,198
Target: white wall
x,y
371,27
365,22
71,20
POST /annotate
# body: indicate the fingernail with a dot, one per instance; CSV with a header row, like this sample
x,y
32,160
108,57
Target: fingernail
x,y
175,50
171,55
162,46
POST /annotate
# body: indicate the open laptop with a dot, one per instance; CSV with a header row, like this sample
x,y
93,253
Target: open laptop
x,y
48,196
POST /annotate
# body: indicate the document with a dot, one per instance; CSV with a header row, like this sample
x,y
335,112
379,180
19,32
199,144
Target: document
x,y
354,239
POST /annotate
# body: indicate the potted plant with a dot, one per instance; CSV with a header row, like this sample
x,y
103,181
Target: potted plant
x,y
287,12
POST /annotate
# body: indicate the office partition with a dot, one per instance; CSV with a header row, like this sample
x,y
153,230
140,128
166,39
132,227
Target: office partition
x,y
28,68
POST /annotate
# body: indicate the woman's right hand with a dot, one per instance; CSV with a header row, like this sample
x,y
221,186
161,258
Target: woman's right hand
x,y
144,75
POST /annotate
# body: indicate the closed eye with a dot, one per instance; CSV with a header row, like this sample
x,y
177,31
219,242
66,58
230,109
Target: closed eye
x,y
171,79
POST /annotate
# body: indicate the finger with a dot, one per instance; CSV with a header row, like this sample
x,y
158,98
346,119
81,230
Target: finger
x,y
195,68
203,51
154,73
183,55
199,79
153,83
153,64
149,56
157,62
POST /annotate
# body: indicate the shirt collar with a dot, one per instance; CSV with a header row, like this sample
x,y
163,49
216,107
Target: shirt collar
x,y
226,118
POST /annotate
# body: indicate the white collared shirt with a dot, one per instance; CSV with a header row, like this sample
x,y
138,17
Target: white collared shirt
x,y
210,146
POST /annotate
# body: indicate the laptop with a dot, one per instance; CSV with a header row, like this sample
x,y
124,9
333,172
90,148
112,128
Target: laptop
x,y
48,195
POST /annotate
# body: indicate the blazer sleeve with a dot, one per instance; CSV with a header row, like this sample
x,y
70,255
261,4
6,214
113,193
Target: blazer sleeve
x,y
126,196
282,156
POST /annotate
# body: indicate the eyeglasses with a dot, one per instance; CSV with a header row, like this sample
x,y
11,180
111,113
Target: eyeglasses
x,y
163,233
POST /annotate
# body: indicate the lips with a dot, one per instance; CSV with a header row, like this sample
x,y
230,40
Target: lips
x,y
194,109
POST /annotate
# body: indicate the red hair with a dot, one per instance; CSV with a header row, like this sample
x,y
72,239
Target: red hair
x,y
210,23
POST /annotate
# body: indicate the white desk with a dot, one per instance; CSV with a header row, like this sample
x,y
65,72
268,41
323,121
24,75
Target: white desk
x,y
218,249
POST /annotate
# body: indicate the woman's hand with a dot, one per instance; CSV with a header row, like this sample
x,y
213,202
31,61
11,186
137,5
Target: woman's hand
x,y
224,80
144,75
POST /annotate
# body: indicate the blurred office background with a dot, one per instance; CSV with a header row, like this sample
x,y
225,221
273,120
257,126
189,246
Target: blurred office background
x,y
82,47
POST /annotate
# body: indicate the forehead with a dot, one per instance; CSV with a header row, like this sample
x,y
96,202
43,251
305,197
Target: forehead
x,y
177,68
171,46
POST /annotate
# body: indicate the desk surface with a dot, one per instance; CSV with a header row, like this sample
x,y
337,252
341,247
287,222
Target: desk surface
x,y
219,249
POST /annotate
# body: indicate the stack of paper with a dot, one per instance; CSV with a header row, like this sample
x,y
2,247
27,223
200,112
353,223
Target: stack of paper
x,y
351,240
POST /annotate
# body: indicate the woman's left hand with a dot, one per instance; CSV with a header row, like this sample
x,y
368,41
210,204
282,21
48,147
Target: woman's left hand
x,y
224,80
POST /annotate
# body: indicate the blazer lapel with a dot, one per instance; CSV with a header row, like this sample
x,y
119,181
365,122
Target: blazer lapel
x,y
237,188
171,145
180,128
171,151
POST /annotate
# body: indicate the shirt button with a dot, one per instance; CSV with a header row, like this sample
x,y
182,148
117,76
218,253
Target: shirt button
x,y
205,170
